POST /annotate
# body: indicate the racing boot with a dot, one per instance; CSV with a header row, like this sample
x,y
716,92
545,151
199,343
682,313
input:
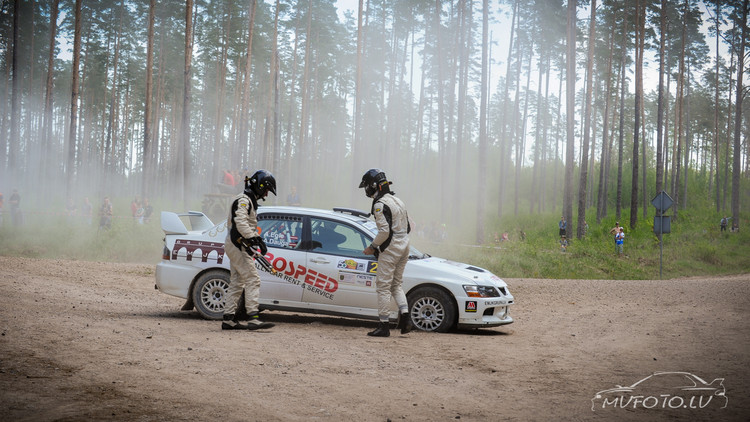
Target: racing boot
x,y
404,323
383,330
254,322
231,323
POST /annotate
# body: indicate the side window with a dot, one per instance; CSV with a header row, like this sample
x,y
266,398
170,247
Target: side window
x,y
338,239
280,231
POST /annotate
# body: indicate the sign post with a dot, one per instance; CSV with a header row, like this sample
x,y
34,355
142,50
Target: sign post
x,y
662,202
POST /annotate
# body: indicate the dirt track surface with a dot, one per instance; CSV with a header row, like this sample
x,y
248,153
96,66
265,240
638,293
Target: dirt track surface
x,y
88,341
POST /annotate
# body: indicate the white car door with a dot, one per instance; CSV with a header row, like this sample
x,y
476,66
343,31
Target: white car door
x,y
282,234
339,276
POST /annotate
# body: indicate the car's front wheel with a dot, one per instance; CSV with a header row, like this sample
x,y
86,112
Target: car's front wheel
x,y
432,309
209,294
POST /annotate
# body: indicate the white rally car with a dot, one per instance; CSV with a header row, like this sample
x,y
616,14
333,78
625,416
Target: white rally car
x,y
320,268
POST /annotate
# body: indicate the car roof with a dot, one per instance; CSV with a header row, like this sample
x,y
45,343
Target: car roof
x,y
346,214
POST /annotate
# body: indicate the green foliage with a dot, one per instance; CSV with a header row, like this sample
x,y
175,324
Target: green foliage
x,y
694,247
61,237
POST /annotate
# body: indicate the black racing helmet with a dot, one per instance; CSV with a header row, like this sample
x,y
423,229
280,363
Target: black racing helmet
x,y
374,180
261,182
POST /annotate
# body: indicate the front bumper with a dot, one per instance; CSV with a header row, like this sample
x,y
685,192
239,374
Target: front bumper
x,y
474,312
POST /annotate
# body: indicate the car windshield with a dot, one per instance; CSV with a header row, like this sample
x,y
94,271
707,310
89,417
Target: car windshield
x,y
414,253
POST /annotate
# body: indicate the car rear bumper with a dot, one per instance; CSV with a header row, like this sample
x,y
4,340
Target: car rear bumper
x,y
174,279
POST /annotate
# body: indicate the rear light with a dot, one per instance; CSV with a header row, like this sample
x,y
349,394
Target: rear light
x,y
165,253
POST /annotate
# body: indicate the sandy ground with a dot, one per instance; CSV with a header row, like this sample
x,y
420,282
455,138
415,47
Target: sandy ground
x,y
94,341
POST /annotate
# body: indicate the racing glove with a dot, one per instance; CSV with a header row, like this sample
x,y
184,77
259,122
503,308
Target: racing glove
x,y
257,242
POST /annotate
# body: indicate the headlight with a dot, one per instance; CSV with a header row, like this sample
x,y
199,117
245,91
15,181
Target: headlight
x,y
480,291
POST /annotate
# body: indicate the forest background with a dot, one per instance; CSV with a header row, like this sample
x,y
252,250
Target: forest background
x,y
156,100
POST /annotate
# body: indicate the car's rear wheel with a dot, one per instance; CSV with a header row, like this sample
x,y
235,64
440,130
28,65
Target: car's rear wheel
x,y
209,294
432,309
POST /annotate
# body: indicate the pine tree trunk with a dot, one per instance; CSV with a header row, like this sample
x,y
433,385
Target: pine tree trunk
x,y
584,169
715,147
15,105
183,160
515,138
521,143
639,34
147,136
442,153
570,94
357,139
738,122
463,71
621,133
221,77
292,101
679,116
601,198
269,134
245,116
109,148
660,99
70,170
483,142
504,119
45,167
275,81
534,198
303,147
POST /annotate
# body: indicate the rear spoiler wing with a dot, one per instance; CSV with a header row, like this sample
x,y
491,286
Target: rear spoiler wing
x,y
173,223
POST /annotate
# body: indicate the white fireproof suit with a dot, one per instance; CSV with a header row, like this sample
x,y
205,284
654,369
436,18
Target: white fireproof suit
x,y
243,274
393,242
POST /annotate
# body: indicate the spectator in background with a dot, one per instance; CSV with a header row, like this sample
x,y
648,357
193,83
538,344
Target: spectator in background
x,y
293,198
563,226
229,178
228,182
134,207
615,229
70,210
105,214
147,211
15,208
724,222
563,243
86,211
619,241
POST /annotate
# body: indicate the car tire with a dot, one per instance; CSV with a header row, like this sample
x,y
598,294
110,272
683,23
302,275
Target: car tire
x,y
432,309
209,294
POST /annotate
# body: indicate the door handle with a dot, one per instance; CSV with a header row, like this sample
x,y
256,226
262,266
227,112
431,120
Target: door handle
x,y
320,261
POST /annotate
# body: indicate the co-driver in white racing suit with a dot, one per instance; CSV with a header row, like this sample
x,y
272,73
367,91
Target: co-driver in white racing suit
x,y
392,246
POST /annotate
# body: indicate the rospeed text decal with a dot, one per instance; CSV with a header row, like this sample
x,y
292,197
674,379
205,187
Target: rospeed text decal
x,y
298,274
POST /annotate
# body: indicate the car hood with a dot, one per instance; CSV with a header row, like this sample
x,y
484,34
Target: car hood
x,y
439,268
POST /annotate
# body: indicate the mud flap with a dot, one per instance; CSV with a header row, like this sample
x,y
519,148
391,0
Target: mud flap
x,y
188,306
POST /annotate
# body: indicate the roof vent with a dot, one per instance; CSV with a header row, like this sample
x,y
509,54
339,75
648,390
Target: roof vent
x,y
352,211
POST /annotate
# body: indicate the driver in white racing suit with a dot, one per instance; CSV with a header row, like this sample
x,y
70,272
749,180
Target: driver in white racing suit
x,y
391,246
